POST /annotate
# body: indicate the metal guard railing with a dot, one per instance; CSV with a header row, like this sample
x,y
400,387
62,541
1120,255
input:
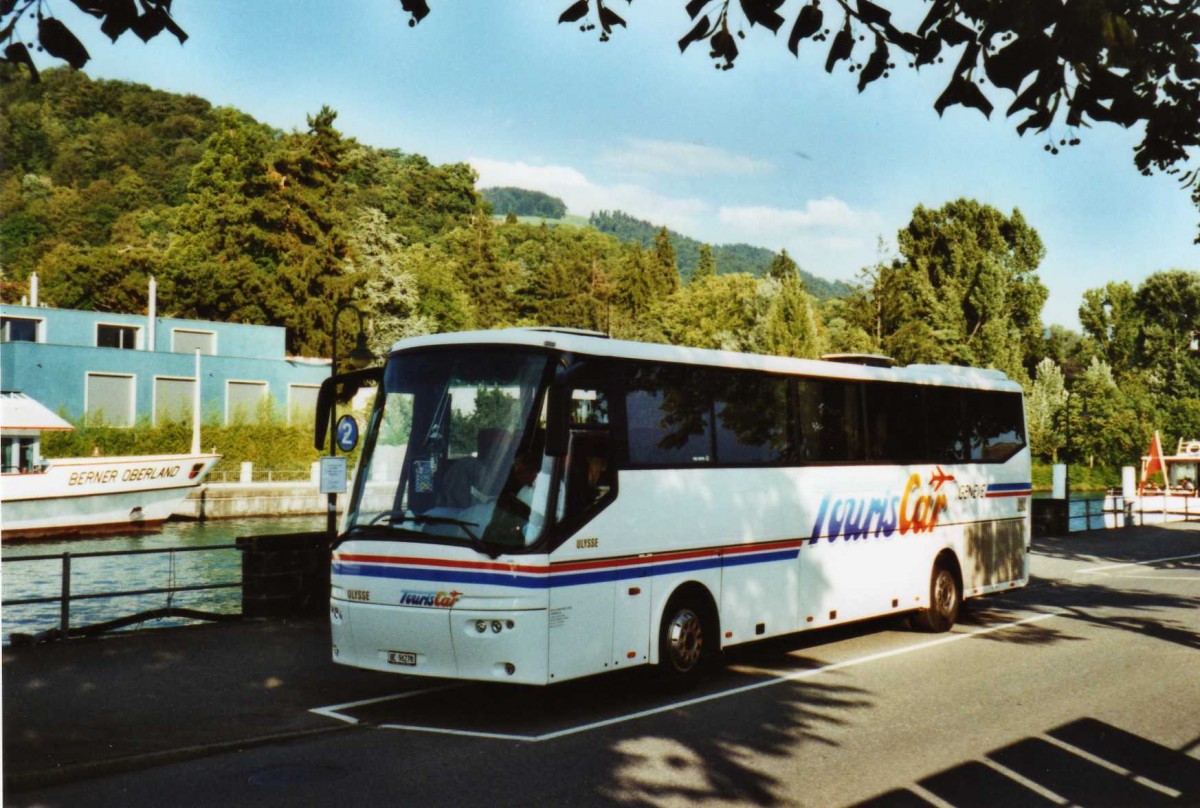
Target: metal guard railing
x,y
66,596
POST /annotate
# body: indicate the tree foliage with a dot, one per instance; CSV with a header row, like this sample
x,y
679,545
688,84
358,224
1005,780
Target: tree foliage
x,y
964,290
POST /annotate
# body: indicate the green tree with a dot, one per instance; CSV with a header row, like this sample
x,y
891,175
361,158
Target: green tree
x,y
1109,315
1044,410
1169,307
965,290
783,268
388,293
706,267
718,312
789,325
664,273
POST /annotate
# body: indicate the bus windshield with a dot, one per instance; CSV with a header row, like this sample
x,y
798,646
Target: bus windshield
x,y
454,452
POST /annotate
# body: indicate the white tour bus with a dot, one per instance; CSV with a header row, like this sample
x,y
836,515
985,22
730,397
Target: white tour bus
x,y
536,505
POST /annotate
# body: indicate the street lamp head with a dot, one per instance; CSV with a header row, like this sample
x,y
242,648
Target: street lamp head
x,y
360,356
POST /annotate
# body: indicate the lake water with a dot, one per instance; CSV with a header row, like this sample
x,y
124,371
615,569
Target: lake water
x,y
31,579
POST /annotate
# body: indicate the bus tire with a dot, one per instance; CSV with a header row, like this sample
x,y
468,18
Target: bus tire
x,y
683,640
945,599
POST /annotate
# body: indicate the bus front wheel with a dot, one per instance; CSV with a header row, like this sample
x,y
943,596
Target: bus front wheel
x,y
681,641
945,599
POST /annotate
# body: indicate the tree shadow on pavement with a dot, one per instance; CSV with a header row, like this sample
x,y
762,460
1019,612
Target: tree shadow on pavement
x,y
1085,762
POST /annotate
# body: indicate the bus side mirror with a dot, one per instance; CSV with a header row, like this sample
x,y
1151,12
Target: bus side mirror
x,y
558,418
339,389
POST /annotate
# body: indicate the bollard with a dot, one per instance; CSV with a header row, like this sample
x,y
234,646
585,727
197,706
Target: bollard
x,y
64,611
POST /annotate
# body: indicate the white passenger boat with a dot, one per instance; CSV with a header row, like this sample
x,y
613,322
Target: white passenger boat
x,y
1176,499
48,497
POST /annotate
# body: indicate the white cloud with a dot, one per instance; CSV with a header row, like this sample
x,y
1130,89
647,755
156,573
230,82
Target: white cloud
x,y
827,236
584,197
679,159
818,214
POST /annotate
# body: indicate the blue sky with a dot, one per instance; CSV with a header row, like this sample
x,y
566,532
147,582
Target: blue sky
x,y
774,152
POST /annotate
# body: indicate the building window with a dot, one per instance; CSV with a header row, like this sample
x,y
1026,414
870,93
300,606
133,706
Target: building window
x,y
110,399
117,336
302,403
173,399
243,400
19,329
186,341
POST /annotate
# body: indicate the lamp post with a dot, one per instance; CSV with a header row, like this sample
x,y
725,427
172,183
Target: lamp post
x,y
359,357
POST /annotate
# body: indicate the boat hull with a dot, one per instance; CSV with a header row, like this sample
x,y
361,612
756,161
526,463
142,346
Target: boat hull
x,y
98,495
1151,509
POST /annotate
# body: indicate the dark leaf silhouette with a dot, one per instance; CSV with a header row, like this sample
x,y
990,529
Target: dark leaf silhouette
x,y
419,9
872,14
574,12
842,47
1009,66
723,46
875,65
150,24
963,91
954,32
58,41
700,31
937,12
97,8
763,12
609,18
695,7
17,53
120,17
808,22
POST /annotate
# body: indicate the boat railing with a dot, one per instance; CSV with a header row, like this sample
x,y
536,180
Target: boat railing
x,y
262,476
66,596
1117,510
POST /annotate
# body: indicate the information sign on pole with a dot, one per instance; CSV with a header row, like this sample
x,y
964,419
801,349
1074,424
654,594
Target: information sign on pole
x,y
333,475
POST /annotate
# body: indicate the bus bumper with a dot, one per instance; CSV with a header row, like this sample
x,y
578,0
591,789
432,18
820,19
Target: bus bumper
x,y
491,646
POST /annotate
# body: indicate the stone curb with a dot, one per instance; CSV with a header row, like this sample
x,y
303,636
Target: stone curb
x,y
89,770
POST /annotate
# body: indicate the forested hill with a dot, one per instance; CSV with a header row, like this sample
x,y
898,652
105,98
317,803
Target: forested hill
x,y
521,202
728,257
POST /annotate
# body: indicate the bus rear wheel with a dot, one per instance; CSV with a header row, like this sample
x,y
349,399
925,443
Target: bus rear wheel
x,y
681,642
945,599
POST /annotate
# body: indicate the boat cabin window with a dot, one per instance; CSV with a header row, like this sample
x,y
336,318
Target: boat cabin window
x,y
17,455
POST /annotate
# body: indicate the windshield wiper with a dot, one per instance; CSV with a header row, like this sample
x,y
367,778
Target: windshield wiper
x,y
394,520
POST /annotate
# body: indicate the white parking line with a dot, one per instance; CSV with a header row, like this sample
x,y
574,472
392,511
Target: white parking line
x,y
331,712
1137,564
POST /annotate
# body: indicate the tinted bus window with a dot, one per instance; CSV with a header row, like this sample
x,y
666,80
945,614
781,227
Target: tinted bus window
x,y
945,418
667,410
752,417
997,424
830,416
895,423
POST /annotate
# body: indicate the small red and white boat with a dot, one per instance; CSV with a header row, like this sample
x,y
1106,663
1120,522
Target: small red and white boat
x,y
1175,499
49,497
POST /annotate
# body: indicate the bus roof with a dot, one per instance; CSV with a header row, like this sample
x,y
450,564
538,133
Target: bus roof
x,y
597,344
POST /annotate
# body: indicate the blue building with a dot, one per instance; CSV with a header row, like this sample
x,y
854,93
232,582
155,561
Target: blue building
x,y
119,368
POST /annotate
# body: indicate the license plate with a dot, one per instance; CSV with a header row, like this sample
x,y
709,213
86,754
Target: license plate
x,y
401,658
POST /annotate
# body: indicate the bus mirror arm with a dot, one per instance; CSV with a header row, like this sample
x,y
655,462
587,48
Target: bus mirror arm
x,y
335,390
557,420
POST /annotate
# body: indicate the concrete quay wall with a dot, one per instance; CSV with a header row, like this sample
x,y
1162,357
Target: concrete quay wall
x,y
235,500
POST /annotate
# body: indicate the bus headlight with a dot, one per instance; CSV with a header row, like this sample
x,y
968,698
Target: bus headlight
x,y
496,626
481,626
